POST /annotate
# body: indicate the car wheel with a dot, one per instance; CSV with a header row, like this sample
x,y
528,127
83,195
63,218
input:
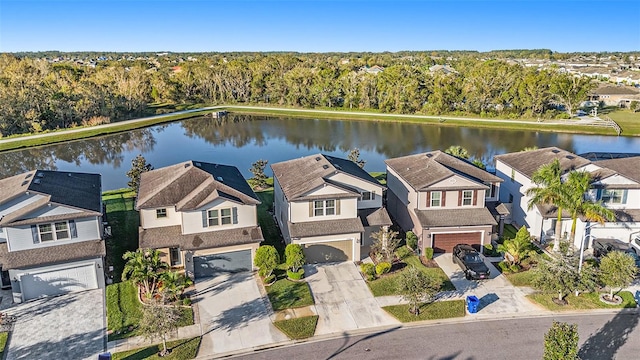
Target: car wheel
x,y
467,276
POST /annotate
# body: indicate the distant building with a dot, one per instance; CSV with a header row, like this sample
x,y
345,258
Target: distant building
x,y
621,96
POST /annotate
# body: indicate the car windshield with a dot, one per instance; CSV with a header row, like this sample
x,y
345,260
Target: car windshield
x,y
472,258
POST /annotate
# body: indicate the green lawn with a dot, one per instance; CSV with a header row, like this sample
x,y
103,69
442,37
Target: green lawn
x,y
124,221
180,350
124,311
386,285
287,294
380,176
298,328
429,311
582,302
509,231
521,279
4,336
627,119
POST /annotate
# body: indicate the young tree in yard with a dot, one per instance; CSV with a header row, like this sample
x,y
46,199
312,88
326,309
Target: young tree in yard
x,y
144,267
294,257
173,283
560,275
561,342
416,287
518,248
617,270
139,165
158,321
259,178
354,155
385,243
266,260
549,190
458,151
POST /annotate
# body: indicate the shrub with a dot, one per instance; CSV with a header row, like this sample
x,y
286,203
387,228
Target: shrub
x,y
369,271
186,301
403,252
561,342
269,279
412,240
489,250
514,268
383,268
294,256
428,253
295,275
266,259
504,267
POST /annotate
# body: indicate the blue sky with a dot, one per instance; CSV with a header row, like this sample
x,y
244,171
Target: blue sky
x,y
318,26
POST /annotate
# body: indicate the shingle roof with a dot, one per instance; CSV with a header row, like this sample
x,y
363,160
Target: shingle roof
x,y
496,208
423,170
171,236
455,217
616,90
191,185
299,176
325,227
51,254
375,217
79,190
527,162
627,167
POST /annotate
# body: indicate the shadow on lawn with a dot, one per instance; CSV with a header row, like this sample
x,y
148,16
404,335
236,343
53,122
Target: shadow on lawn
x,y
612,336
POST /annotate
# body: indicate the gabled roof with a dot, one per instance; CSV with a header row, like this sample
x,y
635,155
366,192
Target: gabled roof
x,y
422,170
172,236
51,254
81,191
299,176
455,217
627,167
191,185
527,162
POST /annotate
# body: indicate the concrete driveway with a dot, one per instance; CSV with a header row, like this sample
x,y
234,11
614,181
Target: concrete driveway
x,y
343,300
233,314
496,294
63,327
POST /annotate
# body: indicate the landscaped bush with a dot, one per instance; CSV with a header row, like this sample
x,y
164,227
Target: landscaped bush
x,y
186,301
295,275
514,268
412,240
269,279
428,253
504,267
490,250
403,252
368,270
383,268
266,260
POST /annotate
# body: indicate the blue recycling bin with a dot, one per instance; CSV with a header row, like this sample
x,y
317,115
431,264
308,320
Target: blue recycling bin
x,y
472,304
104,356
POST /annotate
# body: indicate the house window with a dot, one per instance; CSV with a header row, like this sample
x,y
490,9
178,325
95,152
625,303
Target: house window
x,y
435,198
174,257
219,217
161,213
491,192
55,231
613,196
467,197
510,198
324,207
367,195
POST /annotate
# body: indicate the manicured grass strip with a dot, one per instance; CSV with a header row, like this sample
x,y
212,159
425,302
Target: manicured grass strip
x,y
387,285
124,221
180,350
524,278
286,294
298,328
123,309
509,231
4,336
428,311
582,302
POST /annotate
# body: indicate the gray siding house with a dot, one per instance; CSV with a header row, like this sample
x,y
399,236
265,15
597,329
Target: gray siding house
x,y
51,233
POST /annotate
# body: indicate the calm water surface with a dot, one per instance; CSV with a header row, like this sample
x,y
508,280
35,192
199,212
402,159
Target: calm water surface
x,y
240,140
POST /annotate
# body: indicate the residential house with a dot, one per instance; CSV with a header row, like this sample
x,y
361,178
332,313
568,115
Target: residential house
x,y
620,96
201,216
328,205
444,200
616,183
51,233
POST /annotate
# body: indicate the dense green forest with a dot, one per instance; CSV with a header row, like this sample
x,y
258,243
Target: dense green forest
x,y
39,92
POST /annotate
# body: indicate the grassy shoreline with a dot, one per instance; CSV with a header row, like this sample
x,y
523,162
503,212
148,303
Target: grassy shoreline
x,y
627,122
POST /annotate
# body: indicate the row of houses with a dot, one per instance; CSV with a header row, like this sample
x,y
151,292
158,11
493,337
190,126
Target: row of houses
x,y
203,217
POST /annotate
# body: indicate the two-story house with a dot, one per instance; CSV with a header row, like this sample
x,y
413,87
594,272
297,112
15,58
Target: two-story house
x,y
442,199
51,233
201,216
328,205
616,183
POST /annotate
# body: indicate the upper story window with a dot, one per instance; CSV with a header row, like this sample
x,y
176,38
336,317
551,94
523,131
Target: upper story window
x,y
219,217
436,199
467,197
161,213
54,231
324,207
613,196
491,192
368,195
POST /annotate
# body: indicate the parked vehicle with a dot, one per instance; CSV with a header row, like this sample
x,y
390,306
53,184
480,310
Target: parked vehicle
x,y
470,262
602,247
635,244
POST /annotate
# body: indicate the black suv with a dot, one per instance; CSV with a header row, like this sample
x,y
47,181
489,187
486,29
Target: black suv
x,y
602,247
470,262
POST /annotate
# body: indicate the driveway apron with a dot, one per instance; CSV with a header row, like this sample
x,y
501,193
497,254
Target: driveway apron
x,y
233,314
343,300
63,327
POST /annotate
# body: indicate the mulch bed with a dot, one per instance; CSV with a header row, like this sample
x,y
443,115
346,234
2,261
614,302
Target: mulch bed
x,y
428,263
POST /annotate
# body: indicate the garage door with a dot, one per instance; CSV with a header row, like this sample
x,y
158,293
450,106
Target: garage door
x,y
446,242
229,262
326,252
58,282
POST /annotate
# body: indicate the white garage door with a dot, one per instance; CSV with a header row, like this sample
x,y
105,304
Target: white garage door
x,y
58,282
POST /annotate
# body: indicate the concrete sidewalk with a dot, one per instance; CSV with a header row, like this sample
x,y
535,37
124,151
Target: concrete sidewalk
x,y
136,342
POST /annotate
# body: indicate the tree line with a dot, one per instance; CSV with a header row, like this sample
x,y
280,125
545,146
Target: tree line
x,y
38,95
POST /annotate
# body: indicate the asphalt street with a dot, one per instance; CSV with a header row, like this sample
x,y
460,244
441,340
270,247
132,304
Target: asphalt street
x,y
602,336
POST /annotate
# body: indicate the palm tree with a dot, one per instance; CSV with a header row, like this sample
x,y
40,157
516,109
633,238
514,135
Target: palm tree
x,y
578,183
144,266
457,151
550,191
173,283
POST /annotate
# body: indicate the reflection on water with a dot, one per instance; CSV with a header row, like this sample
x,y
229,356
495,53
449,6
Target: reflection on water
x,y
242,139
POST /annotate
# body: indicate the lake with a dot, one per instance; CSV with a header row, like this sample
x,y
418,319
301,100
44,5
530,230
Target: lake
x,y
240,140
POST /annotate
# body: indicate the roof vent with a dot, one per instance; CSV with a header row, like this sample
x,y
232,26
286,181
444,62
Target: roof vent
x,y
28,175
318,158
219,178
24,183
36,181
570,157
197,164
337,166
40,175
555,151
429,155
69,174
186,165
325,167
